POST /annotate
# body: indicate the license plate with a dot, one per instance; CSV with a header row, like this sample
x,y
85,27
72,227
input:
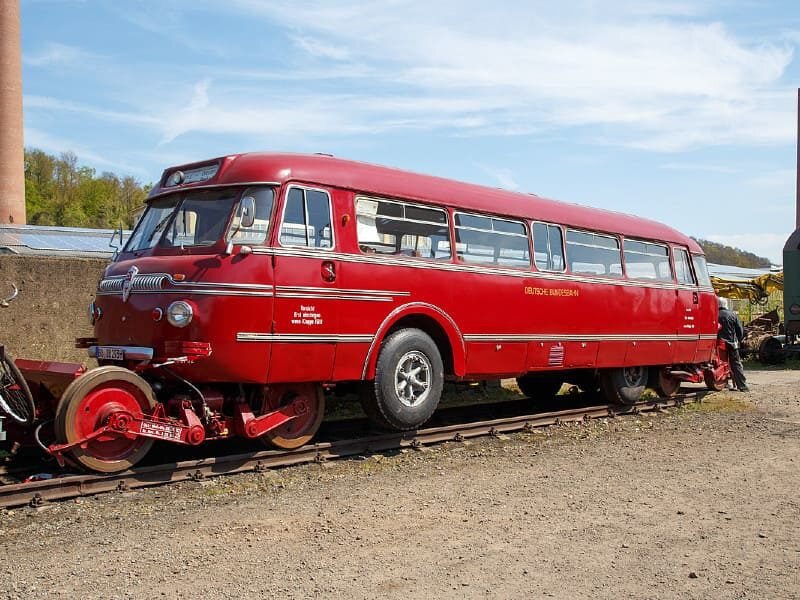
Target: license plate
x,y
108,353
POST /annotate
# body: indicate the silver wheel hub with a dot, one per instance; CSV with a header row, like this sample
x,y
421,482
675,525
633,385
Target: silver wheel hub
x,y
412,378
633,376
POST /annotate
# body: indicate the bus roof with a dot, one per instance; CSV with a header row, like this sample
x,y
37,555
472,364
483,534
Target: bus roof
x,y
388,182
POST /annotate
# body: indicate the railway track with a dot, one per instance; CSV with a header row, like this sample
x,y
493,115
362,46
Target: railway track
x,y
36,493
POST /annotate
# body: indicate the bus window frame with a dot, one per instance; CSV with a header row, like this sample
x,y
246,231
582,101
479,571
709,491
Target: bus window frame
x,y
665,245
614,236
532,243
675,248
525,226
285,202
448,224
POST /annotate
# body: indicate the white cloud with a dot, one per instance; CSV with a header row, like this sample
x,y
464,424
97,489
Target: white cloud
x,y
35,138
502,175
783,180
656,74
60,55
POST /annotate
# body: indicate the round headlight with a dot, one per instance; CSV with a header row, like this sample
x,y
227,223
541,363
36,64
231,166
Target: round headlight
x,y
794,309
179,313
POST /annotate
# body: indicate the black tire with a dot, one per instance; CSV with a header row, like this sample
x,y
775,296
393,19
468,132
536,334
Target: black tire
x,y
539,387
624,385
16,399
387,404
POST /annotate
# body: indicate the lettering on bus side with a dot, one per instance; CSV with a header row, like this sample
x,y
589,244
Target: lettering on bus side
x,y
552,292
307,315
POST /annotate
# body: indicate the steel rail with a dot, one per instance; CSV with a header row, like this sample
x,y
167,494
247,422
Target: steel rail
x,y
35,493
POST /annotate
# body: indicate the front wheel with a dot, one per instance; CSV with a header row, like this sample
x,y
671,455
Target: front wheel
x,y
408,381
85,406
624,385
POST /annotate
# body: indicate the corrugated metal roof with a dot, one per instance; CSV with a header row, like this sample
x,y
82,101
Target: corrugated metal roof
x,y
43,240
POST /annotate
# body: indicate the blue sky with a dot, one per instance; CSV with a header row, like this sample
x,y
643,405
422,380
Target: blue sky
x,y
679,111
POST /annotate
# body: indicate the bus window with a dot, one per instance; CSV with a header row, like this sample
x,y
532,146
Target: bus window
x,y
682,269
701,269
307,219
392,227
593,253
256,234
548,247
646,260
490,240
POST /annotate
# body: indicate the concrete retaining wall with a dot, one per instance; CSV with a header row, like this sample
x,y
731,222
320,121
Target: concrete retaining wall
x,y
52,307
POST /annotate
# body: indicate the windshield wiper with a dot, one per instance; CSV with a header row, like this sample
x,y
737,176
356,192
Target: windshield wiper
x,y
159,226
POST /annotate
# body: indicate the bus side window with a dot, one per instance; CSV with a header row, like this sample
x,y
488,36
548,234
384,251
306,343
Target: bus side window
x,y
593,253
307,219
548,247
682,269
647,260
401,228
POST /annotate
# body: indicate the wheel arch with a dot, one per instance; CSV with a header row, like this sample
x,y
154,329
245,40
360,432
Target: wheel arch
x,y
434,322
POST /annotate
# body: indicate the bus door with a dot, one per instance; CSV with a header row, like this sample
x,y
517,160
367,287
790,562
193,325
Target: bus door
x,y
305,323
687,311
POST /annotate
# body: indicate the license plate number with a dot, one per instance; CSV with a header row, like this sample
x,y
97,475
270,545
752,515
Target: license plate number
x,y
106,353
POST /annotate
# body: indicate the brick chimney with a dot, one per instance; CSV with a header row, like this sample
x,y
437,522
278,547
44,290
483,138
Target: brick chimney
x,y
12,153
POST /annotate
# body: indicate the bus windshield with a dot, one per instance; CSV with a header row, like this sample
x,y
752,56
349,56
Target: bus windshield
x,y
200,219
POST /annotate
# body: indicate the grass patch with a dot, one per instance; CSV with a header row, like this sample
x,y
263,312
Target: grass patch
x,y
791,364
725,402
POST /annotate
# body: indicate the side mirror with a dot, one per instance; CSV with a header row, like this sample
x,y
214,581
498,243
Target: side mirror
x,y
247,212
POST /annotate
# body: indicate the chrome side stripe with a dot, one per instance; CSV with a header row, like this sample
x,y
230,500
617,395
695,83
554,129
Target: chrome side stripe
x,y
434,265
305,338
501,337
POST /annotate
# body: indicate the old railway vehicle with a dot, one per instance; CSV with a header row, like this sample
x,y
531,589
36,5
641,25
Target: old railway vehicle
x,y
252,281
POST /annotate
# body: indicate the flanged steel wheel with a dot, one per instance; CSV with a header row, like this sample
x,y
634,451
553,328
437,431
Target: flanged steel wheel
x,y
86,404
713,383
299,431
624,385
663,383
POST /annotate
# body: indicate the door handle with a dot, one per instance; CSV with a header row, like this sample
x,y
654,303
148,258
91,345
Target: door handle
x,y
695,298
328,271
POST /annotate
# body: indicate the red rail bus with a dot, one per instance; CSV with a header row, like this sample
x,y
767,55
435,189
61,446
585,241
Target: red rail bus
x,y
251,281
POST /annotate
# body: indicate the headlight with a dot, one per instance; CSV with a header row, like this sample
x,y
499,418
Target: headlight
x,y
794,309
179,313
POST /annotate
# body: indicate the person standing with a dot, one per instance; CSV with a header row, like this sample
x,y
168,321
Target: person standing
x,y
731,332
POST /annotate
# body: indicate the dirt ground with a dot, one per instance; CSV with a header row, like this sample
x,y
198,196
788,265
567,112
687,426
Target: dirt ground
x,y
700,502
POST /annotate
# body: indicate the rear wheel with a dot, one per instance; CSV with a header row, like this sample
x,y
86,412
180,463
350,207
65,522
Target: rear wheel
x,y
663,383
85,406
299,431
408,381
624,385
539,387
15,397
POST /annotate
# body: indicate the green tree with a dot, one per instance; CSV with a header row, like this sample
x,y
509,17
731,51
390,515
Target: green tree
x,y
60,192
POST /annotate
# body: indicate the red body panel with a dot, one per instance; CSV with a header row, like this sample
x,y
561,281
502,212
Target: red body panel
x,y
273,316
